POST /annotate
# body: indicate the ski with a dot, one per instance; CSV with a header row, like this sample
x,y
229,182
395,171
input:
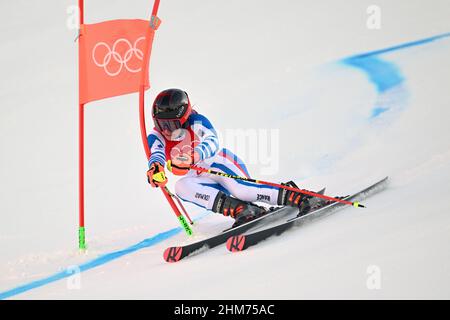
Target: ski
x,y
175,254
240,242
314,200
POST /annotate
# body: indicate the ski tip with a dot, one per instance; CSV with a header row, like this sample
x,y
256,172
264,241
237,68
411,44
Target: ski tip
x,y
236,243
173,254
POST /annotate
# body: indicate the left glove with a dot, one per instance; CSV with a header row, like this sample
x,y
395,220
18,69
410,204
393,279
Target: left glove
x,y
156,175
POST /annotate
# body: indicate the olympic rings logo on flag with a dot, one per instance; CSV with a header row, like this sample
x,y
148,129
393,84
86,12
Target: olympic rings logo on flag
x,y
112,54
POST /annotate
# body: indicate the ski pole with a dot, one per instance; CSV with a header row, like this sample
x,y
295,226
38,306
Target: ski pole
x,y
183,222
160,177
180,205
355,204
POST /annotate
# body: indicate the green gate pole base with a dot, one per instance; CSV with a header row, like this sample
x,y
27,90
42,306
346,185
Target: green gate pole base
x,y
81,239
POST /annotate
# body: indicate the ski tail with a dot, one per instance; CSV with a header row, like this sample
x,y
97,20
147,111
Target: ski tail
x,y
236,243
242,242
173,254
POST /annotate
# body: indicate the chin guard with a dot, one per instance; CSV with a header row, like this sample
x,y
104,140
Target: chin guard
x,y
177,169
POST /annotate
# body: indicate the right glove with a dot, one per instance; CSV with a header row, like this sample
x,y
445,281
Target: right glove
x,y
156,175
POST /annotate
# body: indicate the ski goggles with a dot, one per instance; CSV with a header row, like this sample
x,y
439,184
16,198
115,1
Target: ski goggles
x,y
168,124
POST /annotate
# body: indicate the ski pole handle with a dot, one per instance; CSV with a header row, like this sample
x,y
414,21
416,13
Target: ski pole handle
x,y
159,177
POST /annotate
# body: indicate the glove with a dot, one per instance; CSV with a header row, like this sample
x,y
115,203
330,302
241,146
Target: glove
x,y
156,175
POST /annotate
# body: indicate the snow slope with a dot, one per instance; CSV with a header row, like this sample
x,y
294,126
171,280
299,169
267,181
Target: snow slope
x,y
289,67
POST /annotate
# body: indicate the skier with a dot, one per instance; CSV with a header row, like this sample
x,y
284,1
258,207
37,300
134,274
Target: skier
x,y
182,137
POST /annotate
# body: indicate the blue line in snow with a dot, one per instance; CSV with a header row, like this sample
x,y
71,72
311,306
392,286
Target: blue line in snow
x,y
377,111
402,46
384,74
108,257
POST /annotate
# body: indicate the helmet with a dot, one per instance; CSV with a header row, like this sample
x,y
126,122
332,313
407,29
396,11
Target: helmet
x,y
171,110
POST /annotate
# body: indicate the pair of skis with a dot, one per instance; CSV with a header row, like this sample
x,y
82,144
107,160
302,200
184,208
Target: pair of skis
x,y
236,239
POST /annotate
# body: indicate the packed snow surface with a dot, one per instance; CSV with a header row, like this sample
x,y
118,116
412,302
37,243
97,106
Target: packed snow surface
x,y
328,106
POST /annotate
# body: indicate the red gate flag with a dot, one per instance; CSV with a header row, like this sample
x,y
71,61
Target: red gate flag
x,y
112,56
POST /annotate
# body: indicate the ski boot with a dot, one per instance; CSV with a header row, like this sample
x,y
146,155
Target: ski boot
x,y
241,211
294,199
